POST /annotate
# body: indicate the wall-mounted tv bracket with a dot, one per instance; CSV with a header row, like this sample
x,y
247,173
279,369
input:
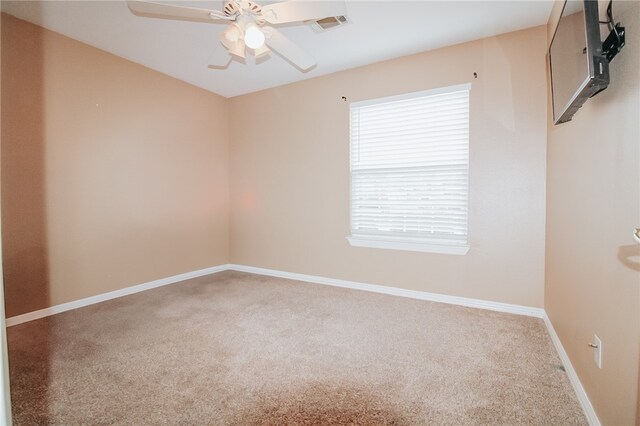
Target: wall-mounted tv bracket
x,y
615,40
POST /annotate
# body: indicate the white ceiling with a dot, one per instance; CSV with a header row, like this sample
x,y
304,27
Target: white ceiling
x,y
380,30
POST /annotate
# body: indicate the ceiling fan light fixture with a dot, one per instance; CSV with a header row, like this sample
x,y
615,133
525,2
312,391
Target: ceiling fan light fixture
x,y
253,37
232,34
261,51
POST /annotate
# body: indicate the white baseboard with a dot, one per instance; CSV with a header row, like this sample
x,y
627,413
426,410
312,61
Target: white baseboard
x,y
395,291
30,316
589,412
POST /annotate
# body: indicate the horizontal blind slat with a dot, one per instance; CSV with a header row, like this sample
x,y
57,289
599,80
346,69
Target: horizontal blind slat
x,y
398,118
413,126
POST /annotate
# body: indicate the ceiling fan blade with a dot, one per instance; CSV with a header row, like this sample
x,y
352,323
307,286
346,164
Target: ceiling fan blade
x,y
294,11
288,49
220,58
178,13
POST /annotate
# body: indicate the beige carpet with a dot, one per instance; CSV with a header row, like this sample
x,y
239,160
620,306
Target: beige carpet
x,y
238,349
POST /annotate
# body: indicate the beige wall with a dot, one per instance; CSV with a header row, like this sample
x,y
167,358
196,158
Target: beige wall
x,y
5,393
112,174
593,204
290,173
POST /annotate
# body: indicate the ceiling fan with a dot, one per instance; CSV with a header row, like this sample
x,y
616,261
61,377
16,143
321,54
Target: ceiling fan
x,y
250,26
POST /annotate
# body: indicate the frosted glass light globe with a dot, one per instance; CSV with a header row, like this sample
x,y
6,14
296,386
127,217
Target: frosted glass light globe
x,y
253,37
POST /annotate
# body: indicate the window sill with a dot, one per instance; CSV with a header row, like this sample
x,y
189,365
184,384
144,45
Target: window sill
x,y
408,245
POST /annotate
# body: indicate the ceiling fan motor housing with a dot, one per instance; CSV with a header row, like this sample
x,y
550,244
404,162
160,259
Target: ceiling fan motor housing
x,y
232,7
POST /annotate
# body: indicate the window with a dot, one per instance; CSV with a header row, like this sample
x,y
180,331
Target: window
x,y
409,171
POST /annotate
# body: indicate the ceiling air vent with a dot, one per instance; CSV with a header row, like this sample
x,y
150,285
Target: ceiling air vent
x,y
329,23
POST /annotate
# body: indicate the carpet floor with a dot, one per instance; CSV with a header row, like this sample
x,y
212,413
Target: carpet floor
x,y
242,349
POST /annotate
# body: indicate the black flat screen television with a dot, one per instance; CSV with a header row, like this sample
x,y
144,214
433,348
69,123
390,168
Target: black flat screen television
x,y
579,70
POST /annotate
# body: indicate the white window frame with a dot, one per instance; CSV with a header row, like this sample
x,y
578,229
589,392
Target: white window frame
x,y
396,242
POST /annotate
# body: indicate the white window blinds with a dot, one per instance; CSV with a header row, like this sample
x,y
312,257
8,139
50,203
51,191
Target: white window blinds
x,y
410,166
